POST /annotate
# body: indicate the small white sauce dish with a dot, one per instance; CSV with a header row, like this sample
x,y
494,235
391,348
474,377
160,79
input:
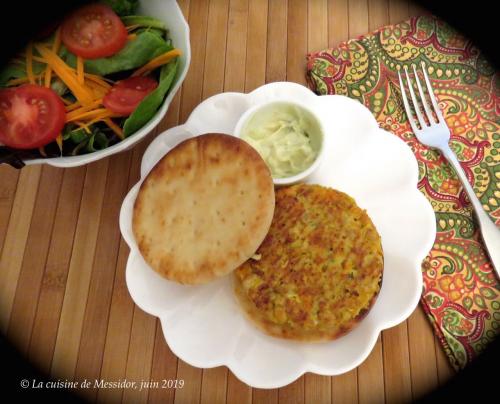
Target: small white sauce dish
x,y
264,113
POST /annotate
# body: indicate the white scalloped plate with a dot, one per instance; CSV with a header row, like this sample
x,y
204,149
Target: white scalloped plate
x,y
205,327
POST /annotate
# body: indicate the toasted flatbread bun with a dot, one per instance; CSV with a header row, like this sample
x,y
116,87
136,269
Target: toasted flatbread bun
x,y
320,266
203,209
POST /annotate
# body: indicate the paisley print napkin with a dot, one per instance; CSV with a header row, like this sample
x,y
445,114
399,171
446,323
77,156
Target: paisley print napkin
x,y
461,294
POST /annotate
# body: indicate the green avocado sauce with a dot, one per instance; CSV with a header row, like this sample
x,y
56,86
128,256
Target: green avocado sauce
x,y
286,136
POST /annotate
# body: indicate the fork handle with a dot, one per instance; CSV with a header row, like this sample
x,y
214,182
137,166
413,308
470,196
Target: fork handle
x,y
489,231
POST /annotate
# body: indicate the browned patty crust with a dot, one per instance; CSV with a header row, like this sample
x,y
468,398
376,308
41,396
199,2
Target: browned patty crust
x,y
204,209
320,266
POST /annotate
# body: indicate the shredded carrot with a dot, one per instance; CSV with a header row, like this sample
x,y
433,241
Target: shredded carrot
x,y
157,61
15,82
99,112
57,41
92,121
96,77
85,112
68,102
55,49
84,126
72,106
59,141
67,75
98,80
98,86
48,76
77,109
29,63
38,59
114,127
97,90
21,80
132,27
131,37
80,70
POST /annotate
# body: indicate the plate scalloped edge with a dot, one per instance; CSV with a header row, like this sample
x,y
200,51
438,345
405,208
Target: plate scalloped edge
x,y
404,250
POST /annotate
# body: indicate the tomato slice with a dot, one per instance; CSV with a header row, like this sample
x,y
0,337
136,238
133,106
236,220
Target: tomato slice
x,y
94,31
30,116
125,95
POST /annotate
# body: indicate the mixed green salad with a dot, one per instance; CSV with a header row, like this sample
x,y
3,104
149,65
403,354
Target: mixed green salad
x,y
98,78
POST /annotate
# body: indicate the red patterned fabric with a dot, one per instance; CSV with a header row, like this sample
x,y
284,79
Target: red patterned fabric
x,y
461,293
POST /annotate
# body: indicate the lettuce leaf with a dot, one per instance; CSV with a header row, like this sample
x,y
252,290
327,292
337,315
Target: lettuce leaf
x,y
136,53
149,105
122,7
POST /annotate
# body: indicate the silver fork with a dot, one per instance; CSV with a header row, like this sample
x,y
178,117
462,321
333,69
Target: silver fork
x,y
436,134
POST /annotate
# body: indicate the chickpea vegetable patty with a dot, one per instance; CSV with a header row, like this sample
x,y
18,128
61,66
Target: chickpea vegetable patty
x,y
319,269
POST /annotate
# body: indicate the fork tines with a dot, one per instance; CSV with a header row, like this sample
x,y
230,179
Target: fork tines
x,y
424,117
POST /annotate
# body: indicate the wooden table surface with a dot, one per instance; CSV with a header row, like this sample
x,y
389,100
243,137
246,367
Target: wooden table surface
x,y
64,302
